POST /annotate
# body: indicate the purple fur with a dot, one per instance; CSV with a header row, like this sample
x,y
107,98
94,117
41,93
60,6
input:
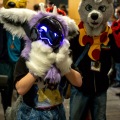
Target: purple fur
x,y
27,48
32,22
40,15
53,75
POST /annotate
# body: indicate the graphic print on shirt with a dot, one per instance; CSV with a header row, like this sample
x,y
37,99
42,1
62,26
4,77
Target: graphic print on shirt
x,y
47,94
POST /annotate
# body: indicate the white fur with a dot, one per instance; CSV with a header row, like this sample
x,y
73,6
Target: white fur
x,y
63,60
16,15
41,58
14,30
98,1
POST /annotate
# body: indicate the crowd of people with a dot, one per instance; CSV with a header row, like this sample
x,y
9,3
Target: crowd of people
x,y
25,81
10,50
117,68
49,7
115,77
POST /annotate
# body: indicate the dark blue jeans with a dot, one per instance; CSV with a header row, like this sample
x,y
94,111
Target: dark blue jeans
x,y
80,103
27,113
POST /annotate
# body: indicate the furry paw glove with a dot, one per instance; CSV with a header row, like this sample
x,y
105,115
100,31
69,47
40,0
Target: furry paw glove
x,y
63,59
41,58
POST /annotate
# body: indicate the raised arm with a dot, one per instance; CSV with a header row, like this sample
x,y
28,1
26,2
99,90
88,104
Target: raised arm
x,y
74,77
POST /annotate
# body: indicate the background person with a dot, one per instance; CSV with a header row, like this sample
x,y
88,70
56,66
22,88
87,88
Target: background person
x,y
10,50
36,7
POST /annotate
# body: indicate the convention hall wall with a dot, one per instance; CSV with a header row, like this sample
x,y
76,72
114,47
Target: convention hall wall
x,y
56,2
30,3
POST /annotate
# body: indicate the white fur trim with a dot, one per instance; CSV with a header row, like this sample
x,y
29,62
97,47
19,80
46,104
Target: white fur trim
x,y
41,58
63,60
16,15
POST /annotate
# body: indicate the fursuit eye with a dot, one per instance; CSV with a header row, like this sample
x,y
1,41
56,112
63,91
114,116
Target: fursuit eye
x,y
102,8
88,7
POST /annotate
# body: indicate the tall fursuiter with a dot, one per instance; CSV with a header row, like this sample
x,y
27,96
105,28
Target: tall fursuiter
x,y
44,60
10,49
96,63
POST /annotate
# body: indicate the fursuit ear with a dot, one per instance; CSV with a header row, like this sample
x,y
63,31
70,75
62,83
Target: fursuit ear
x,y
15,20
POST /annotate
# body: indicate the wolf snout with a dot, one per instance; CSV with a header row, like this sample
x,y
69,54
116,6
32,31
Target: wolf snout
x,y
94,16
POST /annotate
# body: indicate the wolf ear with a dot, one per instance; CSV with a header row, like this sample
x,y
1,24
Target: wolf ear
x,y
15,20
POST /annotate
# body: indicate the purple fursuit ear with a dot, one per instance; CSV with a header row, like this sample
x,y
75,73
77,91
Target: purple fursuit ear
x,y
53,75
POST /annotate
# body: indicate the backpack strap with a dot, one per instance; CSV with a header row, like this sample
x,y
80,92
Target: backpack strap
x,y
82,55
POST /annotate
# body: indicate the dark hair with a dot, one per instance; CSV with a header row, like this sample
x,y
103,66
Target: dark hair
x,y
50,2
64,8
36,7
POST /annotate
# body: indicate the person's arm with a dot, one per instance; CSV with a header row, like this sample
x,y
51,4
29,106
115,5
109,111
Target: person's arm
x,y
74,78
24,84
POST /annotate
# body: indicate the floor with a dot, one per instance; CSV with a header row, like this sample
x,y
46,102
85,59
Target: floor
x,y
113,105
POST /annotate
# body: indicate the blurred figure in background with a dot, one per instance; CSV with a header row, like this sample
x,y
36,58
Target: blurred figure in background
x,y
59,11
111,20
36,7
64,8
117,13
50,4
10,50
116,66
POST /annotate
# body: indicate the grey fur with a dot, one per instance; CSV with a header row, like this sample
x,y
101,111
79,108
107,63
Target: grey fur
x,y
103,17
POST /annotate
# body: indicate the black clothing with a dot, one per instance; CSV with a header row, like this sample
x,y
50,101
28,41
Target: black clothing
x,y
20,71
4,56
7,64
3,45
94,81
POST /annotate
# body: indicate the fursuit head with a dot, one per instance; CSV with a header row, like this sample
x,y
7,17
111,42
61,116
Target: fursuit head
x,y
46,38
95,14
15,3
